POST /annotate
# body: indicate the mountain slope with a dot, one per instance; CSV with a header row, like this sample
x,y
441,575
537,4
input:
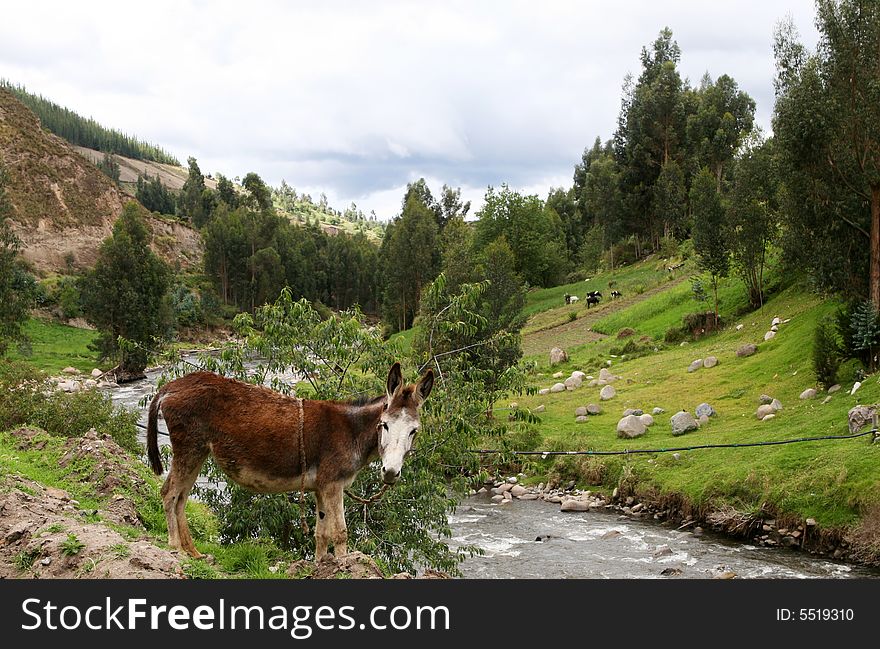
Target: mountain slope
x,y
62,205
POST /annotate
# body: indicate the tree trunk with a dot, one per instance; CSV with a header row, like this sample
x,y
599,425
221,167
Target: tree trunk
x,y
874,276
715,290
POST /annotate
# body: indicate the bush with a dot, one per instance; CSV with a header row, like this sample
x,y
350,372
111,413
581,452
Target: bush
x,y
572,316
620,254
668,248
187,307
61,293
583,470
700,324
25,400
676,335
858,330
826,353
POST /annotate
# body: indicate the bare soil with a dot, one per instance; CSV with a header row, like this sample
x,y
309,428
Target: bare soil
x,y
41,529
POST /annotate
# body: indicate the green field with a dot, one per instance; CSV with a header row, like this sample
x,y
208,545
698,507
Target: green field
x,y
54,346
835,482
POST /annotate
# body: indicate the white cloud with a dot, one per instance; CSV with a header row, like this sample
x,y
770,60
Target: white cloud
x,y
357,99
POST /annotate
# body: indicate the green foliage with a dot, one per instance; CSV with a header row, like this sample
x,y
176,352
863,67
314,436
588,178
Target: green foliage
x,y
407,254
62,294
124,294
17,286
710,236
480,325
533,233
187,306
826,353
191,204
251,254
25,559
120,550
198,569
827,126
670,200
153,195
698,289
859,329
724,115
86,132
752,216
26,400
563,204
341,358
71,546
109,167
590,256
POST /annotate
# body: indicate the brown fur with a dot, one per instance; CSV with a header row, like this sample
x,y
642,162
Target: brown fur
x,y
253,434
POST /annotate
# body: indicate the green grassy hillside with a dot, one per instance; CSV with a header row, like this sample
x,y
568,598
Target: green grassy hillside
x,y
835,482
54,346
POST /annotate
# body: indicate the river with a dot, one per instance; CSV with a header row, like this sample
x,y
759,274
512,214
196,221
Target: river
x,y
599,545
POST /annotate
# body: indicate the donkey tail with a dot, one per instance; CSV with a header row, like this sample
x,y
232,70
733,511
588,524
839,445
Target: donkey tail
x,y
152,436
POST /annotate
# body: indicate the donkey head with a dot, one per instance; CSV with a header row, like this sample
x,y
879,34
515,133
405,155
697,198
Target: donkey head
x,y
400,420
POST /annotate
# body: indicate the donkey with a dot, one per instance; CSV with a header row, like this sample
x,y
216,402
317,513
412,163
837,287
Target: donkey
x,y
254,435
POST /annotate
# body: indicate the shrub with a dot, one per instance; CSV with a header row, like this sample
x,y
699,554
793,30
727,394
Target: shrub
x,y
675,335
620,254
26,399
71,545
826,353
581,469
668,248
572,316
858,328
700,324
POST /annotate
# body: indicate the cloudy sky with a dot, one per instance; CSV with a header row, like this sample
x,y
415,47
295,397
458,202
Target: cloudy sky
x,y
356,99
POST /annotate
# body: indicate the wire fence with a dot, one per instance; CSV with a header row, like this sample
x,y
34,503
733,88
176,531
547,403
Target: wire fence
x,y
695,447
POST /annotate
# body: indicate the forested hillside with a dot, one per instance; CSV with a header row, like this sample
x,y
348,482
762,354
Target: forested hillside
x,y
85,131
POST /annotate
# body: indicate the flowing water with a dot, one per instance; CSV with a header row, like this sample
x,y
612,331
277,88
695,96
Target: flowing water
x,y
609,545
587,544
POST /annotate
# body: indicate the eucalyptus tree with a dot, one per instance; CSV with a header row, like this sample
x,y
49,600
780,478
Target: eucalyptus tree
x,y
827,124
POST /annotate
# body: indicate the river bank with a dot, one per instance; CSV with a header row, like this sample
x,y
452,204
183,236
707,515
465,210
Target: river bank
x,y
763,529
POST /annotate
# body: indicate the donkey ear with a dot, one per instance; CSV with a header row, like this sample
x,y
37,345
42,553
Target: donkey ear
x,y
395,380
425,384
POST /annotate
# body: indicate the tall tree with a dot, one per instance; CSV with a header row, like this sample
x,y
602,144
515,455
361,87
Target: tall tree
x,y
191,203
153,195
16,284
670,200
533,233
451,206
124,294
226,191
408,252
752,215
574,222
827,123
457,254
724,117
651,133
710,238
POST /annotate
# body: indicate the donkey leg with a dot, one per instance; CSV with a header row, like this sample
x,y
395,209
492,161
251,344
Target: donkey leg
x,y
186,542
322,535
336,516
168,504
184,471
